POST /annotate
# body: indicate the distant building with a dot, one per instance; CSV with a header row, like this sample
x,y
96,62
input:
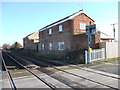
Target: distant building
x,y
67,34
106,38
30,41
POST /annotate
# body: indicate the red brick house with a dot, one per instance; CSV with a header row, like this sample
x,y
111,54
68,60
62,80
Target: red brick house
x,y
30,42
67,34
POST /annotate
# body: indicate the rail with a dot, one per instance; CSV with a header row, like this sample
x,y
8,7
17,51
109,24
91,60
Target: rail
x,y
42,79
74,74
12,84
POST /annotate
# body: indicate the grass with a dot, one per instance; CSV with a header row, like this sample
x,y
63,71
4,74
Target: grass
x,y
106,60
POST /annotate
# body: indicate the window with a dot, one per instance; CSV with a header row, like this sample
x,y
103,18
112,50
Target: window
x,y
83,26
60,28
39,46
50,31
50,46
43,46
60,45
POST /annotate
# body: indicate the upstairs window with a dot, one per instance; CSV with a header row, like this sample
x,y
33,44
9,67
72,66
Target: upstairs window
x,y
50,46
60,28
60,45
83,26
50,31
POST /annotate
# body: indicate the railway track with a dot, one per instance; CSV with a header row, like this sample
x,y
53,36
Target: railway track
x,y
11,82
44,62
48,63
97,72
53,68
51,86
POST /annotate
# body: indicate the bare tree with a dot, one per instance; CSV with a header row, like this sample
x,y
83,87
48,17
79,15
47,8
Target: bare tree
x,y
16,46
6,46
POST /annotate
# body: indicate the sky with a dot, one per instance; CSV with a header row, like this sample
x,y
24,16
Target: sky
x,y
22,18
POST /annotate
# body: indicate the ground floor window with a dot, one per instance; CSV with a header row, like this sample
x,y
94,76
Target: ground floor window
x,y
43,46
39,46
60,45
50,46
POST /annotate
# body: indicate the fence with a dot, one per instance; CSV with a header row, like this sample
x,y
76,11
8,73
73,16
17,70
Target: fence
x,y
95,55
111,49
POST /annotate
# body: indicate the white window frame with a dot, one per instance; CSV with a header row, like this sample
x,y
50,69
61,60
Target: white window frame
x,y
43,46
83,26
50,31
50,46
60,28
60,47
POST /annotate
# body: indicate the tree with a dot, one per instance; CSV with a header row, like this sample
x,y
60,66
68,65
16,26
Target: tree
x,y
6,46
16,46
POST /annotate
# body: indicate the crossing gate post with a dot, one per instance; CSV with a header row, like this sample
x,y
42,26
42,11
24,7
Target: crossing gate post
x,y
86,59
89,54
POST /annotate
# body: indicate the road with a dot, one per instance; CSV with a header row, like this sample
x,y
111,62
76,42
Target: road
x,y
110,67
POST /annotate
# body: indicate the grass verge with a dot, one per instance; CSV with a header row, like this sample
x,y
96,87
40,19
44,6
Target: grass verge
x,y
106,60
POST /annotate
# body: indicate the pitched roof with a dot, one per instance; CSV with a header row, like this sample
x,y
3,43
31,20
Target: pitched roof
x,y
65,19
31,34
104,35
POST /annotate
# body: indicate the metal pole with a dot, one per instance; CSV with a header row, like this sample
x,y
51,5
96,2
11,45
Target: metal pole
x,y
86,59
88,41
114,28
114,31
89,54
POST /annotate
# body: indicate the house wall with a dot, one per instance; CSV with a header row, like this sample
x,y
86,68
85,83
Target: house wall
x,y
30,41
73,37
111,49
56,36
70,28
81,18
79,38
80,42
29,44
34,36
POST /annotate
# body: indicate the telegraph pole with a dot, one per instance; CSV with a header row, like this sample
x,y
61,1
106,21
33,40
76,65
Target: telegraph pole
x,y
114,29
